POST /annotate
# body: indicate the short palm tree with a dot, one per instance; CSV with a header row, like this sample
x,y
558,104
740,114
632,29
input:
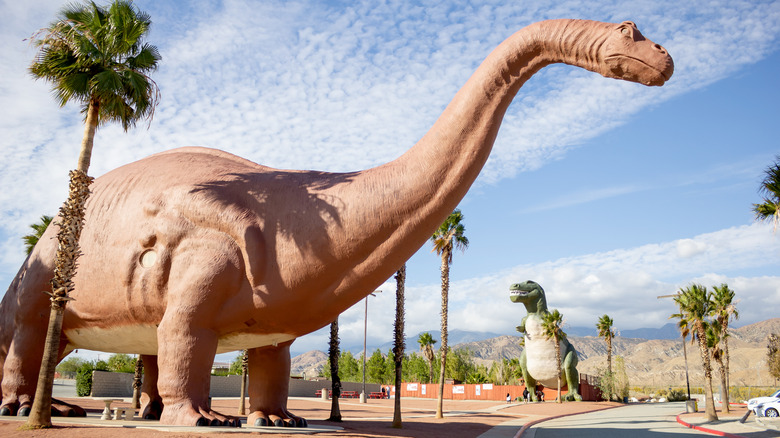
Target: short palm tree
x,y
333,360
398,346
38,229
769,209
552,325
244,375
97,57
695,305
449,236
426,342
715,344
604,326
724,310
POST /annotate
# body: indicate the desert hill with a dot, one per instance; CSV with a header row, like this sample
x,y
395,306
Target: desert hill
x,y
654,362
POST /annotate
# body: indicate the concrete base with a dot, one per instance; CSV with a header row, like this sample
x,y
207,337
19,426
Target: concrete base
x,y
362,397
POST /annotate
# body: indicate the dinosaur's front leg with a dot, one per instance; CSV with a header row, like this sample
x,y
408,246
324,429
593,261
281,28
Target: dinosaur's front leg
x,y
530,382
269,382
572,376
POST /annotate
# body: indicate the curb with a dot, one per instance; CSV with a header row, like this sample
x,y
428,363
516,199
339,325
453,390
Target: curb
x,y
704,429
528,425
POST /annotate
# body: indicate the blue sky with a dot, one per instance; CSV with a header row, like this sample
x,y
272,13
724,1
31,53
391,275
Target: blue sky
x,y
605,192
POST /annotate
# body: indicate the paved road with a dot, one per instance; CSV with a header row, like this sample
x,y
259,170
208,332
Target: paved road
x,y
64,388
636,421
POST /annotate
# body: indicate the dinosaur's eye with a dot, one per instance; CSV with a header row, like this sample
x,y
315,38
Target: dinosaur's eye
x,y
624,31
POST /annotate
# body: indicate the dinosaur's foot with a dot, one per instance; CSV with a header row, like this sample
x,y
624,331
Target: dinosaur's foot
x,y
12,408
153,410
278,418
184,414
61,409
572,396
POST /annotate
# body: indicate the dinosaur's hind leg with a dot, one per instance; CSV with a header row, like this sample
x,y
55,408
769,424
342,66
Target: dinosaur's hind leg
x,y
269,382
151,402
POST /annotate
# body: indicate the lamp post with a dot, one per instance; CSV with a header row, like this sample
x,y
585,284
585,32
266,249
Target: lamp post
x,y
365,333
685,351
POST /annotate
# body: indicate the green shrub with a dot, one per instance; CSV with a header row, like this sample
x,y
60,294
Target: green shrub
x,y
84,380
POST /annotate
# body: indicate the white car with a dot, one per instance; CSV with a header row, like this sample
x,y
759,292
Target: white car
x,y
768,409
762,404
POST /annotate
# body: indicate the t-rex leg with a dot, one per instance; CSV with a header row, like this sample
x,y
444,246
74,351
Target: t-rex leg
x,y
530,382
269,383
572,376
151,402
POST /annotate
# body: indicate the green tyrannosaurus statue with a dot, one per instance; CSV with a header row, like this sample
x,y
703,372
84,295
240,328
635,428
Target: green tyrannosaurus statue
x,y
539,356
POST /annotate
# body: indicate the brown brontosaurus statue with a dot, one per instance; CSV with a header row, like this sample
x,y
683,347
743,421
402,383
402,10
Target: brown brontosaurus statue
x,y
194,251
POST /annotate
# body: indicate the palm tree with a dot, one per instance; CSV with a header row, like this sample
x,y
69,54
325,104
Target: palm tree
x,y
333,358
31,239
426,342
724,310
552,325
604,326
398,347
714,343
95,56
448,237
770,189
695,305
138,373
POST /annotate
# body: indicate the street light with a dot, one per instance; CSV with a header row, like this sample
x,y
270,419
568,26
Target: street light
x,y
365,332
685,351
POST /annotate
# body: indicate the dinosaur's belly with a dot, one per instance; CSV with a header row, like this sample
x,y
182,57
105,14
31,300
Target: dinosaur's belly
x,y
540,354
142,339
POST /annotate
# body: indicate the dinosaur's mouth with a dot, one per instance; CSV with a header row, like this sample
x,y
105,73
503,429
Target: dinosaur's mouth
x,y
637,70
514,295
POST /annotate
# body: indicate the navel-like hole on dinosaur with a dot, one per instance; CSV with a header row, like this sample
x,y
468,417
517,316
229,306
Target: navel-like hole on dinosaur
x,y
148,258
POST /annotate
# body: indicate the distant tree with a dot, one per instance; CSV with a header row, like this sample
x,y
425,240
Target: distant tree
x,y
70,366
460,364
415,369
715,344
38,229
604,326
398,343
97,57
724,309
426,342
621,378
244,356
121,363
448,237
552,325
375,368
769,209
773,355
695,305
333,361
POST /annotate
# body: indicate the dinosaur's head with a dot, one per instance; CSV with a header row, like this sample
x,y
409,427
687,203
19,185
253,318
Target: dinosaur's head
x,y
626,54
526,292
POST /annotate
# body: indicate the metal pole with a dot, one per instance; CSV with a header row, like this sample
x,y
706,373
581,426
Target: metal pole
x,y
365,333
687,382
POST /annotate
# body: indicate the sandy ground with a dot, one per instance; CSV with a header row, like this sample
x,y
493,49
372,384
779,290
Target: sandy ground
x,y
373,419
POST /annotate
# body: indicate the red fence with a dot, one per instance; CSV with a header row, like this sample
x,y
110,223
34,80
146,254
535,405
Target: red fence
x,y
485,391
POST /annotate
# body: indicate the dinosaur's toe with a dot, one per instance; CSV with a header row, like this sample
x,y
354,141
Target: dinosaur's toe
x,y
261,422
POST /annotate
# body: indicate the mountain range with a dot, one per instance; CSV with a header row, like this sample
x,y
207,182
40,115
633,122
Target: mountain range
x,y
653,357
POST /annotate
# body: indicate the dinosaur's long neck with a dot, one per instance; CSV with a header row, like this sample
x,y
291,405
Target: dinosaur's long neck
x,y
429,180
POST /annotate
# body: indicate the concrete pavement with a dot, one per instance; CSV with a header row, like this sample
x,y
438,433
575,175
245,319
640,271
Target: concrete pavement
x,y
645,420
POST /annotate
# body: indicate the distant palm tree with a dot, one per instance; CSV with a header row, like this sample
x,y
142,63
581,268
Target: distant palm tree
x,y
604,326
95,56
138,374
552,325
724,309
695,305
398,346
244,372
38,229
333,359
449,236
426,342
770,189
715,344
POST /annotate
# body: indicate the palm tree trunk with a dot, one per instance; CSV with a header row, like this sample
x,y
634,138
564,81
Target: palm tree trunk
x,y
558,359
726,398
445,288
398,348
87,140
72,220
244,369
723,383
709,408
137,381
333,356
609,369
